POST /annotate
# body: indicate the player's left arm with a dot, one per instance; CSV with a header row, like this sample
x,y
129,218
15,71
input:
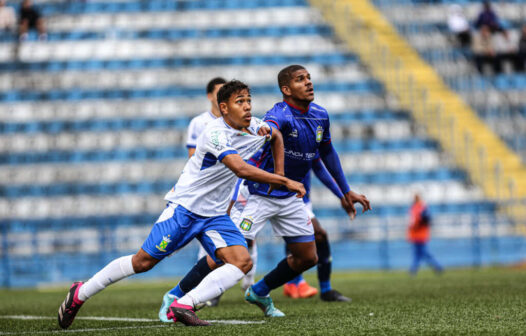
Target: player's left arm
x,y
325,177
332,161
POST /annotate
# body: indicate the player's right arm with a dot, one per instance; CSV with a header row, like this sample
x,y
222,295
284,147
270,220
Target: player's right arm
x,y
243,170
191,137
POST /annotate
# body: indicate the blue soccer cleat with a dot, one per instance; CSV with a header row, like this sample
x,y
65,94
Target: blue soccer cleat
x,y
263,302
167,301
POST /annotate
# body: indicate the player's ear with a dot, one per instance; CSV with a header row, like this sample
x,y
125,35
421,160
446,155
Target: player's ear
x,y
285,90
210,96
223,108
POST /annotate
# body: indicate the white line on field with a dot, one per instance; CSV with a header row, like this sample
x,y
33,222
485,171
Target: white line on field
x,y
80,330
104,318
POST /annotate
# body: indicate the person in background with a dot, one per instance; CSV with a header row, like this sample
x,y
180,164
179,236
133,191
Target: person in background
x,y
521,59
7,17
488,17
30,18
459,26
484,51
506,48
418,235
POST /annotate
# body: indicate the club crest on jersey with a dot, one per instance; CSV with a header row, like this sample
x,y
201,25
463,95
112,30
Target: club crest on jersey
x,y
319,133
164,243
246,224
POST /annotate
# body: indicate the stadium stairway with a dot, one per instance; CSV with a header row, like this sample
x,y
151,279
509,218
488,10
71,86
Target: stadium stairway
x,y
93,134
418,87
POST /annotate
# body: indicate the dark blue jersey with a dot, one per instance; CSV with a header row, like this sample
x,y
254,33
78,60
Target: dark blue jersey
x,y
303,134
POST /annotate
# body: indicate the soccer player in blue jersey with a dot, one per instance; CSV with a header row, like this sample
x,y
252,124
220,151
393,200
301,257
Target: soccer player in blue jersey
x,y
197,208
298,287
305,128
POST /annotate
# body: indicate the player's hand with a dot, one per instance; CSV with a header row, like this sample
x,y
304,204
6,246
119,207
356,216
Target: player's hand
x,y
296,187
264,131
350,198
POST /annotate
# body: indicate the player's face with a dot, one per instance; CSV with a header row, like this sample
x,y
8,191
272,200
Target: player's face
x,y
237,110
212,96
300,87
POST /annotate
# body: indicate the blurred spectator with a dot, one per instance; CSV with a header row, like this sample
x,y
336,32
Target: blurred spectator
x,y
483,50
459,26
506,49
522,50
7,17
418,234
30,18
488,17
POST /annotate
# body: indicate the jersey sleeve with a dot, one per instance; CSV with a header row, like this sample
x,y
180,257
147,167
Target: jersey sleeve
x,y
191,137
217,143
326,138
275,119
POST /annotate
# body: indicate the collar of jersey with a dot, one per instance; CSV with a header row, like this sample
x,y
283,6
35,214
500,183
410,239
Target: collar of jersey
x,y
300,110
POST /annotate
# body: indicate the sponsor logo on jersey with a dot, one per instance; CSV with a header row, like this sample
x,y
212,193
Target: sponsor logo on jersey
x,y
294,133
319,133
164,243
246,224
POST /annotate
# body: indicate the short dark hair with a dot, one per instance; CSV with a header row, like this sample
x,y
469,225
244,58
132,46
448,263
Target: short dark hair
x,y
285,75
229,89
213,82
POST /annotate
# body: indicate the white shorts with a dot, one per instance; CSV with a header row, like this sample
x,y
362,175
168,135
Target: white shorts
x,y
308,207
288,217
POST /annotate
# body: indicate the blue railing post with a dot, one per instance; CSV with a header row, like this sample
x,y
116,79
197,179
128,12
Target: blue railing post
x,y
5,255
384,246
475,233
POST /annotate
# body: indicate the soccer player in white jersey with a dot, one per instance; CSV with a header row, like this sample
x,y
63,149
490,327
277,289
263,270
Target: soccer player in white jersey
x,y
197,208
198,123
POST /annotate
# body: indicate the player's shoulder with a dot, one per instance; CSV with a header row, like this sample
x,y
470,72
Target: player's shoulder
x,y
203,118
318,109
279,108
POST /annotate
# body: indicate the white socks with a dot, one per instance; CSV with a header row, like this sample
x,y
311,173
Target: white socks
x,y
116,270
213,285
248,279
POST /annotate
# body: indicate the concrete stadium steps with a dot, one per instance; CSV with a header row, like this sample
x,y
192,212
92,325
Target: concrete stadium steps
x,y
158,184
420,161
166,77
164,108
16,144
143,48
141,153
156,92
436,13
199,19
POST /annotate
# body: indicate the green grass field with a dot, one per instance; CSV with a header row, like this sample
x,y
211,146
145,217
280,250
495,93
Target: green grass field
x,y
460,302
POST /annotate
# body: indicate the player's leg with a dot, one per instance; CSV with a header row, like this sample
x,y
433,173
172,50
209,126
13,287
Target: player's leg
x,y
417,257
201,269
223,240
325,264
164,238
430,259
248,279
292,223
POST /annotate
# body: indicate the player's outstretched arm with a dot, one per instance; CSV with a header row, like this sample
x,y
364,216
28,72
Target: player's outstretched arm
x,y
243,170
332,162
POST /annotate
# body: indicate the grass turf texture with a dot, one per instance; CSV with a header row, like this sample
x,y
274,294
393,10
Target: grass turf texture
x,y
460,302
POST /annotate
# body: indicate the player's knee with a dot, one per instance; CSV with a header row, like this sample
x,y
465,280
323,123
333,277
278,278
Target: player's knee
x,y
309,261
141,265
244,264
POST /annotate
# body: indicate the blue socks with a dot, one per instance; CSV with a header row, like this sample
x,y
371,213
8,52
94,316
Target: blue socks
x,y
296,280
192,278
277,277
324,265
